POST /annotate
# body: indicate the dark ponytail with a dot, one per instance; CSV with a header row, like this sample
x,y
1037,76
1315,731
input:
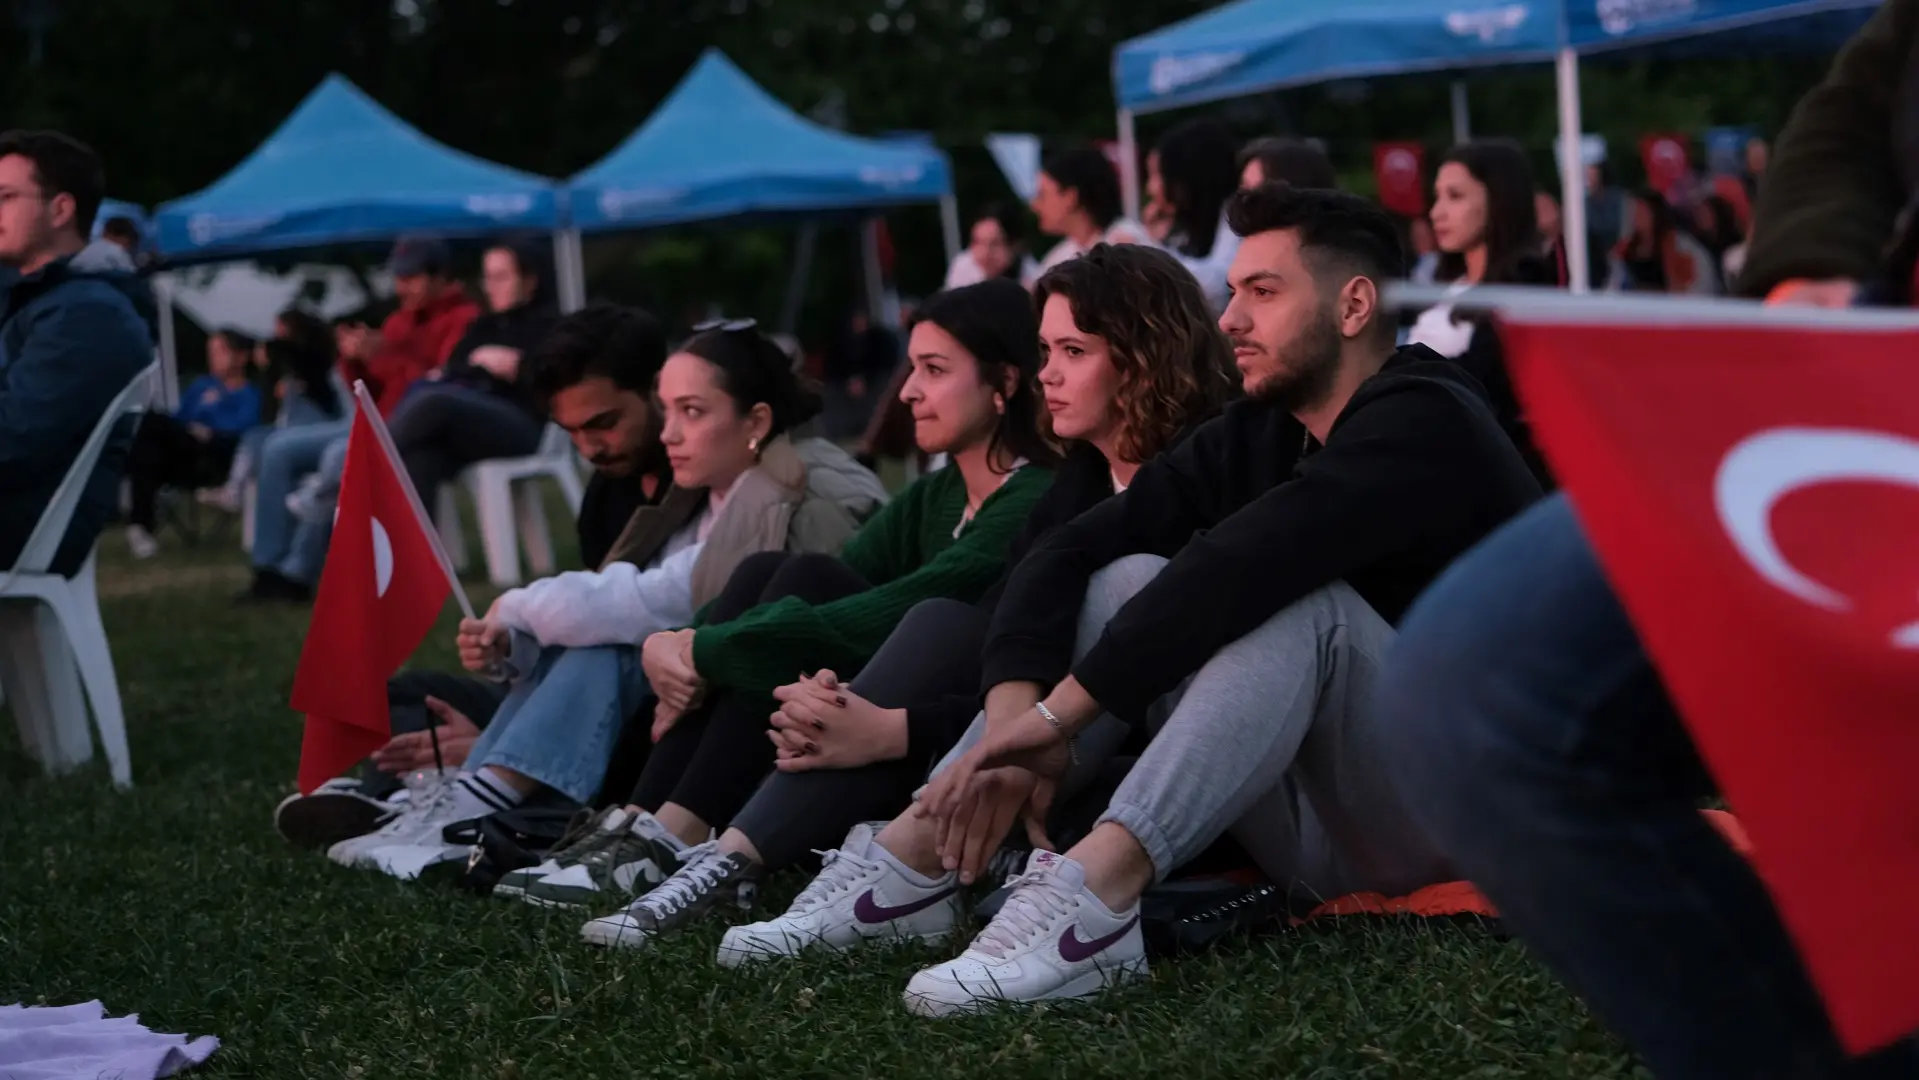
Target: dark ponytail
x,y
994,320
753,370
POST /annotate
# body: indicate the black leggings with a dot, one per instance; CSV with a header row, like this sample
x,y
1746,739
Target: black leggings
x,y
165,452
715,756
932,653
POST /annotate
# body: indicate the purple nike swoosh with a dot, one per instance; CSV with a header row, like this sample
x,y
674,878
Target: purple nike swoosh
x,y
1073,950
870,911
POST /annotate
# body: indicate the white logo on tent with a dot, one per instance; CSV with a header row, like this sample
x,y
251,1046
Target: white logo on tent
x,y
890,176
499,206
1623,16
617,203
208,228
1488,24
1170,73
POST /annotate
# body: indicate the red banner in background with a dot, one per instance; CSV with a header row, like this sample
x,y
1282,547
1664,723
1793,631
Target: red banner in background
x,y
1400,169
1668,167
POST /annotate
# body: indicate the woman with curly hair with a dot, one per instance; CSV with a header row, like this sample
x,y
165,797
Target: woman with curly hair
x,y
1132,361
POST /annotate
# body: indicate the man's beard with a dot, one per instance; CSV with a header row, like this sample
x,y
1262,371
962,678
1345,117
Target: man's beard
x,y
1307,367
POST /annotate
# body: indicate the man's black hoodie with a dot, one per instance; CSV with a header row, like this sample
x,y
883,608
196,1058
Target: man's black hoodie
x,y
1254,515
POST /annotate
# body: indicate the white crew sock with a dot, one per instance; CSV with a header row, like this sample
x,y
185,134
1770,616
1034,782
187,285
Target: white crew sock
x,y
477,794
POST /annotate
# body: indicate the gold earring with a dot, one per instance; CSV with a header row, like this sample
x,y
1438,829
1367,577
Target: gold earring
x,y
999,404
753,446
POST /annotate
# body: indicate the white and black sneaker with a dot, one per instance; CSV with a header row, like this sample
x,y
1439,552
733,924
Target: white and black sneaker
x,y
706,879
415,838
631,856
582,833
339,809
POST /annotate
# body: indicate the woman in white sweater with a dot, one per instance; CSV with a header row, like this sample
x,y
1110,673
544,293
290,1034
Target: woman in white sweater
x,y
569,644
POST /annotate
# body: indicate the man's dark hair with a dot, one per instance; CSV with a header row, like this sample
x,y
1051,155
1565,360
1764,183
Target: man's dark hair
x,y
121,230
62,165
1341,236
609,341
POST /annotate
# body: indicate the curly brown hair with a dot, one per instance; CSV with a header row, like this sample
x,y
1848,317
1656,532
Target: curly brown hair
x,y
1175,365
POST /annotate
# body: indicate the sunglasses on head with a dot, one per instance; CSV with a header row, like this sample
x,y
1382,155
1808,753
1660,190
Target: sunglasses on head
x,y
728,325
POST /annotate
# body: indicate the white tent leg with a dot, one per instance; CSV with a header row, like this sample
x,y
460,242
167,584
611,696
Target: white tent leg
x,y
1572,173
1462,114
950,226
169,350
569,270
870,270
1128,165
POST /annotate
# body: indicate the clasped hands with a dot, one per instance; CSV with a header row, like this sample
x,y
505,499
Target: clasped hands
x,y
1010,774
667,659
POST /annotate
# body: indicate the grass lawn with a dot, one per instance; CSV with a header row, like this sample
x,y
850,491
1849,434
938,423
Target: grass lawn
x,y
176,900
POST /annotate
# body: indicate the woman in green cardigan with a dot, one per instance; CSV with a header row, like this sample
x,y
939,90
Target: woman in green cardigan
x,y
975,357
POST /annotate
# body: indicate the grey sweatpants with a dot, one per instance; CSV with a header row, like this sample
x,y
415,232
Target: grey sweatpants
x,y
1274,738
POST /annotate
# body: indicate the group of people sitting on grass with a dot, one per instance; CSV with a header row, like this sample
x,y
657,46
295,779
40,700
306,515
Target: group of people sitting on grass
x,y
1163,540
1270,575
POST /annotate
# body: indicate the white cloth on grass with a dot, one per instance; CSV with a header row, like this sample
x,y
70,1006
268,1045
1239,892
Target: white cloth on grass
x,y
70,1042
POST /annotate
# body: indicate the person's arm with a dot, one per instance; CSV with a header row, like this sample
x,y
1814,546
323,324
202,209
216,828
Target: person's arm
x,y
767,645
1384,484
1830,196
883,548
1170,498
58,387
619,605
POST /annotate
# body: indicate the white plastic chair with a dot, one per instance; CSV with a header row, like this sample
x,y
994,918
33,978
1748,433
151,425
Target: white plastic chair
x,y
491,484
51,636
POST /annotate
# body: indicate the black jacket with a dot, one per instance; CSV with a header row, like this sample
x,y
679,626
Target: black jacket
x,y
519,328
1253,518
607,506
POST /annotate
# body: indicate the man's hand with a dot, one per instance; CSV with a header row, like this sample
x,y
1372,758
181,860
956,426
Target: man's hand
x,y
667,659
822,724
414,750
500,361
1806,292
200,432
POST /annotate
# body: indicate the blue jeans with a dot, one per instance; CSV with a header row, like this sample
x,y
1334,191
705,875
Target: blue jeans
x,y
287,455
1539,749
559,724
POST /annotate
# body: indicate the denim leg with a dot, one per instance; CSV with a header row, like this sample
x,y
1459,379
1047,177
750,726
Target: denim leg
x,y
1539,749
559,725
286,456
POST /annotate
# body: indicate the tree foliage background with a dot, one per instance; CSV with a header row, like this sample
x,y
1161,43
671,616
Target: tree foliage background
x,y
175,92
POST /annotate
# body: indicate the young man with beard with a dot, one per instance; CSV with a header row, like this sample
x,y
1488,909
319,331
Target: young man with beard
x,y
1237,598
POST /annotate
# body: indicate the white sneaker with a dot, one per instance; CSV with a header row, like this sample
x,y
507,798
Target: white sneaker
x,y
141,542
861,893
1052,939
427,810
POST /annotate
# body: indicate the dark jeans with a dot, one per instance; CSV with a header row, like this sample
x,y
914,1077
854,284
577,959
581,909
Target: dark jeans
x,y
933,652
714,758
406,695
1541,752
165,452
441,428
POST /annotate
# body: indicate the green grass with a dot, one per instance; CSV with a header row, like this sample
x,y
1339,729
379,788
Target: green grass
x,y
177,900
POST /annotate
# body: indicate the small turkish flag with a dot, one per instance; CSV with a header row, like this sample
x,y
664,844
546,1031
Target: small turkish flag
x,y
381,592
1753,492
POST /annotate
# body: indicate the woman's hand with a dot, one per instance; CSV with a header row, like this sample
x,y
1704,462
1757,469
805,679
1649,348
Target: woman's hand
x,y
414,750
483,642
667,659
821,724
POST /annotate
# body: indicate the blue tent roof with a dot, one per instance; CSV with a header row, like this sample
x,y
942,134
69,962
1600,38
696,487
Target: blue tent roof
x,y
1256,45
342,168
720,146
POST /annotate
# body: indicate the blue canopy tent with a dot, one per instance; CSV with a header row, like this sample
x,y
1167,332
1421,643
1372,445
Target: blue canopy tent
x,y
343,169
1252,46
112,208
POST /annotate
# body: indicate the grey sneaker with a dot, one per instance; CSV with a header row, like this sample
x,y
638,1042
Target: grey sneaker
x,y
619,864
705,880
588,830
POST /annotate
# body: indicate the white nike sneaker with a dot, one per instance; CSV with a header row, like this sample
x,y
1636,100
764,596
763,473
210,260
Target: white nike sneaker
x,y
430,806
1052,939
861,893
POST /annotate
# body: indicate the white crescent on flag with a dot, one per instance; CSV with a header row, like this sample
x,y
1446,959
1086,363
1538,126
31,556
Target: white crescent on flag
x,y
1764,468
382,558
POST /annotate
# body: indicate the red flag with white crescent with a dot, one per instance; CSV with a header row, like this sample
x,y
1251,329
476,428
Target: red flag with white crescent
x,y
381,592
1752,490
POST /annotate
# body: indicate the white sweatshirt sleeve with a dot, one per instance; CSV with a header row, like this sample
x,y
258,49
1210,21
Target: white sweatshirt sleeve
x,y
619,605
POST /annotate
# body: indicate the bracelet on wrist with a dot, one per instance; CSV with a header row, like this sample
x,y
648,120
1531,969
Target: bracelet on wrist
x,y
1072,744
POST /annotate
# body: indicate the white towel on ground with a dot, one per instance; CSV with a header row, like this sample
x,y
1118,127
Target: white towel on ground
x,y
80,1042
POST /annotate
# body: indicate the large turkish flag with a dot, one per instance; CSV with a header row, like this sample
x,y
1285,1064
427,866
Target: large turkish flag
x,y
1753,492
380,593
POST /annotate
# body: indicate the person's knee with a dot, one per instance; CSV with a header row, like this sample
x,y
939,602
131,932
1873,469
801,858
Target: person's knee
x,y
928,619
805,575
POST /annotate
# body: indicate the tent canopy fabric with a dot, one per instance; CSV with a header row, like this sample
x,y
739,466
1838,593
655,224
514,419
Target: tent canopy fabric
x,y
1252,46
342,169
721,146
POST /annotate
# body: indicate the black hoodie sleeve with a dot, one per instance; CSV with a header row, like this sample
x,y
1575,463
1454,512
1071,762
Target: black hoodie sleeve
x,y
1390,477
1170,498
935,727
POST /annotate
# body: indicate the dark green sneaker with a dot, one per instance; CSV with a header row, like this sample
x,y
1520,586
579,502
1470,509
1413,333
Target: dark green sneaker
x,y
620,863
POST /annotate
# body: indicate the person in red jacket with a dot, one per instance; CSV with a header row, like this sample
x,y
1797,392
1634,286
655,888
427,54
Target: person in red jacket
x,y
292,525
